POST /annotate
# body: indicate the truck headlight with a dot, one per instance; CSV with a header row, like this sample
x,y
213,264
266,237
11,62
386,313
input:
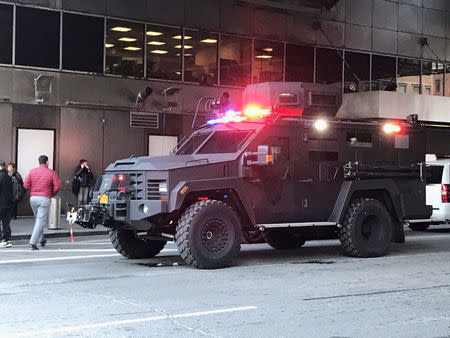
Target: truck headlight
x,y
162,188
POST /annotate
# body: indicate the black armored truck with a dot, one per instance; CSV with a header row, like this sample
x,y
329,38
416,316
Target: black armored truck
x,y
290,170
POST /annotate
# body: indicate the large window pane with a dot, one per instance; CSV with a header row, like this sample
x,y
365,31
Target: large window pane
x,y
328,66
37,37
124,48
200,57
299,63
235,60
383,73
6,29
433,78
163,58
357,72
268,61
83,43
408,76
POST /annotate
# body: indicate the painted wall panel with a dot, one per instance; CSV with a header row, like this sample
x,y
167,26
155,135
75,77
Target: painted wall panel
x,y
385,14
434,23
410,19
359,12
358,37
6,132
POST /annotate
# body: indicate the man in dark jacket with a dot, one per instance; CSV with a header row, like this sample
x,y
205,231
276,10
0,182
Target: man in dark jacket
x,y
83,173
5,205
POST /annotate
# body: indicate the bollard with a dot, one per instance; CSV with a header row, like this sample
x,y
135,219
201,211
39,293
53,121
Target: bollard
x,y
54,217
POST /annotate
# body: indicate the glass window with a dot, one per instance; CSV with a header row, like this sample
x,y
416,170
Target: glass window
x,y
200,57
6,31
383,73
163,59
193,143
401,88
37,37
328,66
268,61
428,90
83,43
433,77
408,72
224,142
299,63
235,60
124,48
357,72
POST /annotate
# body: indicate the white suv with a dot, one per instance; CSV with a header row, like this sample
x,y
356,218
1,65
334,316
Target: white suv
x,y
438,195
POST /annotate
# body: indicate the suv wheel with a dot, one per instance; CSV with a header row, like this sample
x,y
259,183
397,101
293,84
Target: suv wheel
x,y
367,229
208,234
282,239
419,226
128,245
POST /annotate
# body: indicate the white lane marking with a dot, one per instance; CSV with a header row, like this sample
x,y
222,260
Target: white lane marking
x,y
131,321
74,250
32,260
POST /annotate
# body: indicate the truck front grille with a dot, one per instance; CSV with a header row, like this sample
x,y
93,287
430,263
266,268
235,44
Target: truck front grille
x,y
153,192
137,181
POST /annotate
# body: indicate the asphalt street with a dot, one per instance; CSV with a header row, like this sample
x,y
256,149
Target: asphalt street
x,y
86,289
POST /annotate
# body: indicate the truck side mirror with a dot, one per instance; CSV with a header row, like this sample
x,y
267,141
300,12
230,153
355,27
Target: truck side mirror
x,y
264,156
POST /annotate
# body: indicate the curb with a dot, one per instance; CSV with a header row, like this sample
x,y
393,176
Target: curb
x,y
62,234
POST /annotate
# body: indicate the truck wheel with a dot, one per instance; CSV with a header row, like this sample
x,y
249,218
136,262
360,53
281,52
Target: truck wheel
x,y
367,229
252,236
282,239
208,235
419,226
128,245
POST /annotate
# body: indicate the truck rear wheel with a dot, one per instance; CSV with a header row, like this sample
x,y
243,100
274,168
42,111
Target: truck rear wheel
x,y
367,229
282,239
419,226
208,235
128,245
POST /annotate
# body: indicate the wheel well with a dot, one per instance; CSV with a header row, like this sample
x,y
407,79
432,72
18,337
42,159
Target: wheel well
x,y
228,196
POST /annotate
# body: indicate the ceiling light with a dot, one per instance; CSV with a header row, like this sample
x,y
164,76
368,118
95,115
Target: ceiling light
x,y
153,33
156,43
132,48
178,73
158,51
263,56
185,54
121,29
209,41
109,45
268,49
127,39
185,46
178,37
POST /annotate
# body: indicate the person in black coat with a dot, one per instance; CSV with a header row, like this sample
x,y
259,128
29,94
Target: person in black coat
x,y
5,205
84,176
18,191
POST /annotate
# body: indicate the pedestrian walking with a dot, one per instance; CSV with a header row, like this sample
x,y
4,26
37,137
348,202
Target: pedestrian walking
x,y
83,179
5,206
43,183
18,189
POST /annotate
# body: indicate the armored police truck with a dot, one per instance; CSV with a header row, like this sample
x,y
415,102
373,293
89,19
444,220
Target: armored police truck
x,y
296,174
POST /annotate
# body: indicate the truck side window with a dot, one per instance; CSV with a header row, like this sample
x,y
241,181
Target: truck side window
x,y
434,175
359,139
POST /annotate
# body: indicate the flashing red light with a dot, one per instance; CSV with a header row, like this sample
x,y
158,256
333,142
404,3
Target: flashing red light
x,y
121,189
445,193
203,198
392,128
255,111
114,178
121,177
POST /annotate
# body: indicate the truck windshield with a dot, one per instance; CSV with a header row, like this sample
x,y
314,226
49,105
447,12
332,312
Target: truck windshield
x,y
220,142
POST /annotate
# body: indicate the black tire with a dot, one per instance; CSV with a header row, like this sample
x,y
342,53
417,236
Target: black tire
x,y
208,235
419,226
253,236
282,239
128,245
367,229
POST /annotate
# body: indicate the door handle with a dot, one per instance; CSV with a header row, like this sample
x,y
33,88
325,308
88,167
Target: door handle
x,y
309,180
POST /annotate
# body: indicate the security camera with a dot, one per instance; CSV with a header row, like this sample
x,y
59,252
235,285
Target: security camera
x,y
143,95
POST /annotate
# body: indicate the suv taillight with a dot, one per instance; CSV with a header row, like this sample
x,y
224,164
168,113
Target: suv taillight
x,y
445,193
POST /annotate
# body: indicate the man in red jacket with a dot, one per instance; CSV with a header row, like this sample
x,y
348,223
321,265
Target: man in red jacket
x,y
43,184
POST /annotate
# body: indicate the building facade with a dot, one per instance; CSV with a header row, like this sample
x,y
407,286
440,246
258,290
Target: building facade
x,y
70,70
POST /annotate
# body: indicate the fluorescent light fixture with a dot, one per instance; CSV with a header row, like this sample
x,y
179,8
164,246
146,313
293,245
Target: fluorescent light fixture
x,y
127,39
178,73
156,43
263,56
109,45
208,40
158,51
153,33
121,29
185,46
178,37
185,54
268,49
132,48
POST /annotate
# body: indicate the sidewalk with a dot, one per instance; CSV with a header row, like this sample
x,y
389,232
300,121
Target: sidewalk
x,y
22,228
